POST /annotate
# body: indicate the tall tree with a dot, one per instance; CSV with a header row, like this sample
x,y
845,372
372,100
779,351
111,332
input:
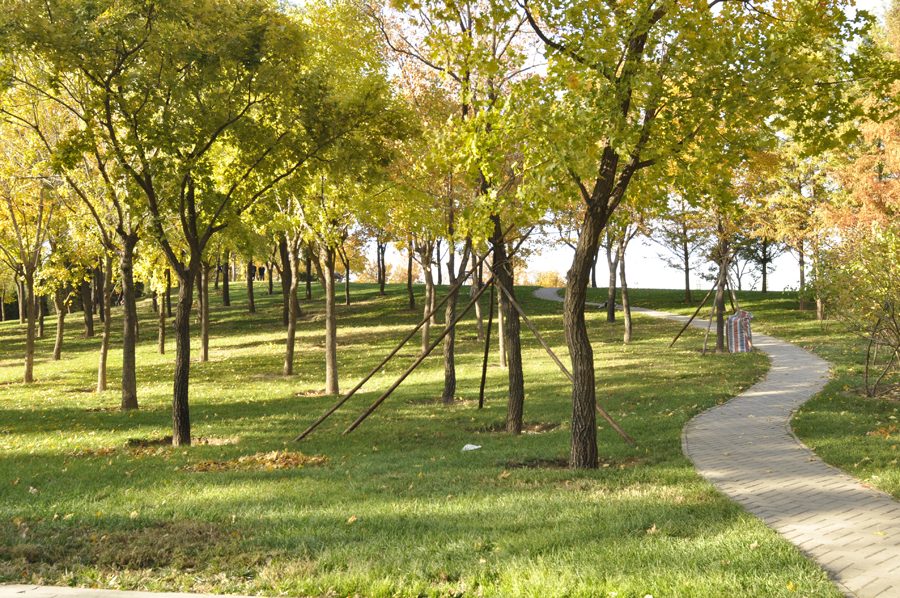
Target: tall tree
x,y
642,84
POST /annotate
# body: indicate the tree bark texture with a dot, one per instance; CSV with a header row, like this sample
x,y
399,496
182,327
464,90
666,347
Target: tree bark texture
x,y
802,255
409,289
251,274
60,305
611,293
30,312
510,332
129,340
293,275
106,310
87,305
626,303
331,365
161,329
449,392
169,292
226,278
286,280
181,420
271,279
42,311
204,307
686,256
308,273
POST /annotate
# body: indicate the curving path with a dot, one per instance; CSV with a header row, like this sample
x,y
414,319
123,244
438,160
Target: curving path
x,y
745,447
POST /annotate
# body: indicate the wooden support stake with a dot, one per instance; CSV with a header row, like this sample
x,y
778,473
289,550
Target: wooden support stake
x,y
709,327
702,303
390,356
416,363
487,348
571,378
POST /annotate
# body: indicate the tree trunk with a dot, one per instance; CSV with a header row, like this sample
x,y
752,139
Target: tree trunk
x,y
129,368
161,331
286,281
594,270
802,275
501,336
425,251
60,305
626,304
153,304
611,294
293,275
98,292
42,311
346,261
218,271
381,248
510,332
181,420
583,446
409,289
30,313
106,310
720,311
204,308
199,285
251,274
686,256
449,392
3,304
765,266
479,317
438,255
169,292
331,376
308,274
226,277
22,301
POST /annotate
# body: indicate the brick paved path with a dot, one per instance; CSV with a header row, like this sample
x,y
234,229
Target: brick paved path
x,y
745,447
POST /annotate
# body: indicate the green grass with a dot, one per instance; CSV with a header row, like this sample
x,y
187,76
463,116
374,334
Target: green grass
x,y
397,510
847,429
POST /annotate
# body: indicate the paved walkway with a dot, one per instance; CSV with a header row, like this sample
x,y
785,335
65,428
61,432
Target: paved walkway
x,y
746,448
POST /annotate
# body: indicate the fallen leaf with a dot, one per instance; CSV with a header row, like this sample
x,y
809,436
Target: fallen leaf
x,y
32,490
879,533
754,546
351,520
504,475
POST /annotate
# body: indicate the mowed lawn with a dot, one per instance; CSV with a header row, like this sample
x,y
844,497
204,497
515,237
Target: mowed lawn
x,y
395,508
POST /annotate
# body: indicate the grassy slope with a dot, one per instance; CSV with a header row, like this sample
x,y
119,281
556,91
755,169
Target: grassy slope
x,y
858,434
398,510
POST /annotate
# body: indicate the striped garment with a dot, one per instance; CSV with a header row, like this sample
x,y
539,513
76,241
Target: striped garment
x,y
737,328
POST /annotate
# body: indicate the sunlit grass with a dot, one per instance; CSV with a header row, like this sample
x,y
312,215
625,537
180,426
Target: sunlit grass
x,y
847,429
398,510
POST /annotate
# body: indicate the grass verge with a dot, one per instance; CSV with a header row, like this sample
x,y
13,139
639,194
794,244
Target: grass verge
x,y
89,496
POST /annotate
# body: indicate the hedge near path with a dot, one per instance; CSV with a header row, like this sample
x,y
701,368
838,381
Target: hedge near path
x,y
746,448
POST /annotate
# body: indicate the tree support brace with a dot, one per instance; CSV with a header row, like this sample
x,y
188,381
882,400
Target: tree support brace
x,y
547,348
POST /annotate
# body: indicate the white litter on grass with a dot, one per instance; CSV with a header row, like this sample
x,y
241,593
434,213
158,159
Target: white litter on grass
x,y
470,447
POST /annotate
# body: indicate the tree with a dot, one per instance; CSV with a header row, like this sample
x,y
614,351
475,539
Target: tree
x,y
231,92
642,85
680,230
29,202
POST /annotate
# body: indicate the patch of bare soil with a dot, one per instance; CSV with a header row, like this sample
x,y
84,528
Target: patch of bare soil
x,y
311,393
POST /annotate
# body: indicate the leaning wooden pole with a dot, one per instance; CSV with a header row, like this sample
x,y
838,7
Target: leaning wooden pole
x,y
390,356
559,363
487,349
419,360
691,319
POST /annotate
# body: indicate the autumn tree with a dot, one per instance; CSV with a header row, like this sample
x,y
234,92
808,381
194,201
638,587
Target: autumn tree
x,y
643,84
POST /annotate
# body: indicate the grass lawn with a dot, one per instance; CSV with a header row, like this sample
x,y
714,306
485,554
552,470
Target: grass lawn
x,y
847,429
395,508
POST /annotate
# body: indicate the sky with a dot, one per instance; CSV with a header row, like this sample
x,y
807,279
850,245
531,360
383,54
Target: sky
x,y
645,268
